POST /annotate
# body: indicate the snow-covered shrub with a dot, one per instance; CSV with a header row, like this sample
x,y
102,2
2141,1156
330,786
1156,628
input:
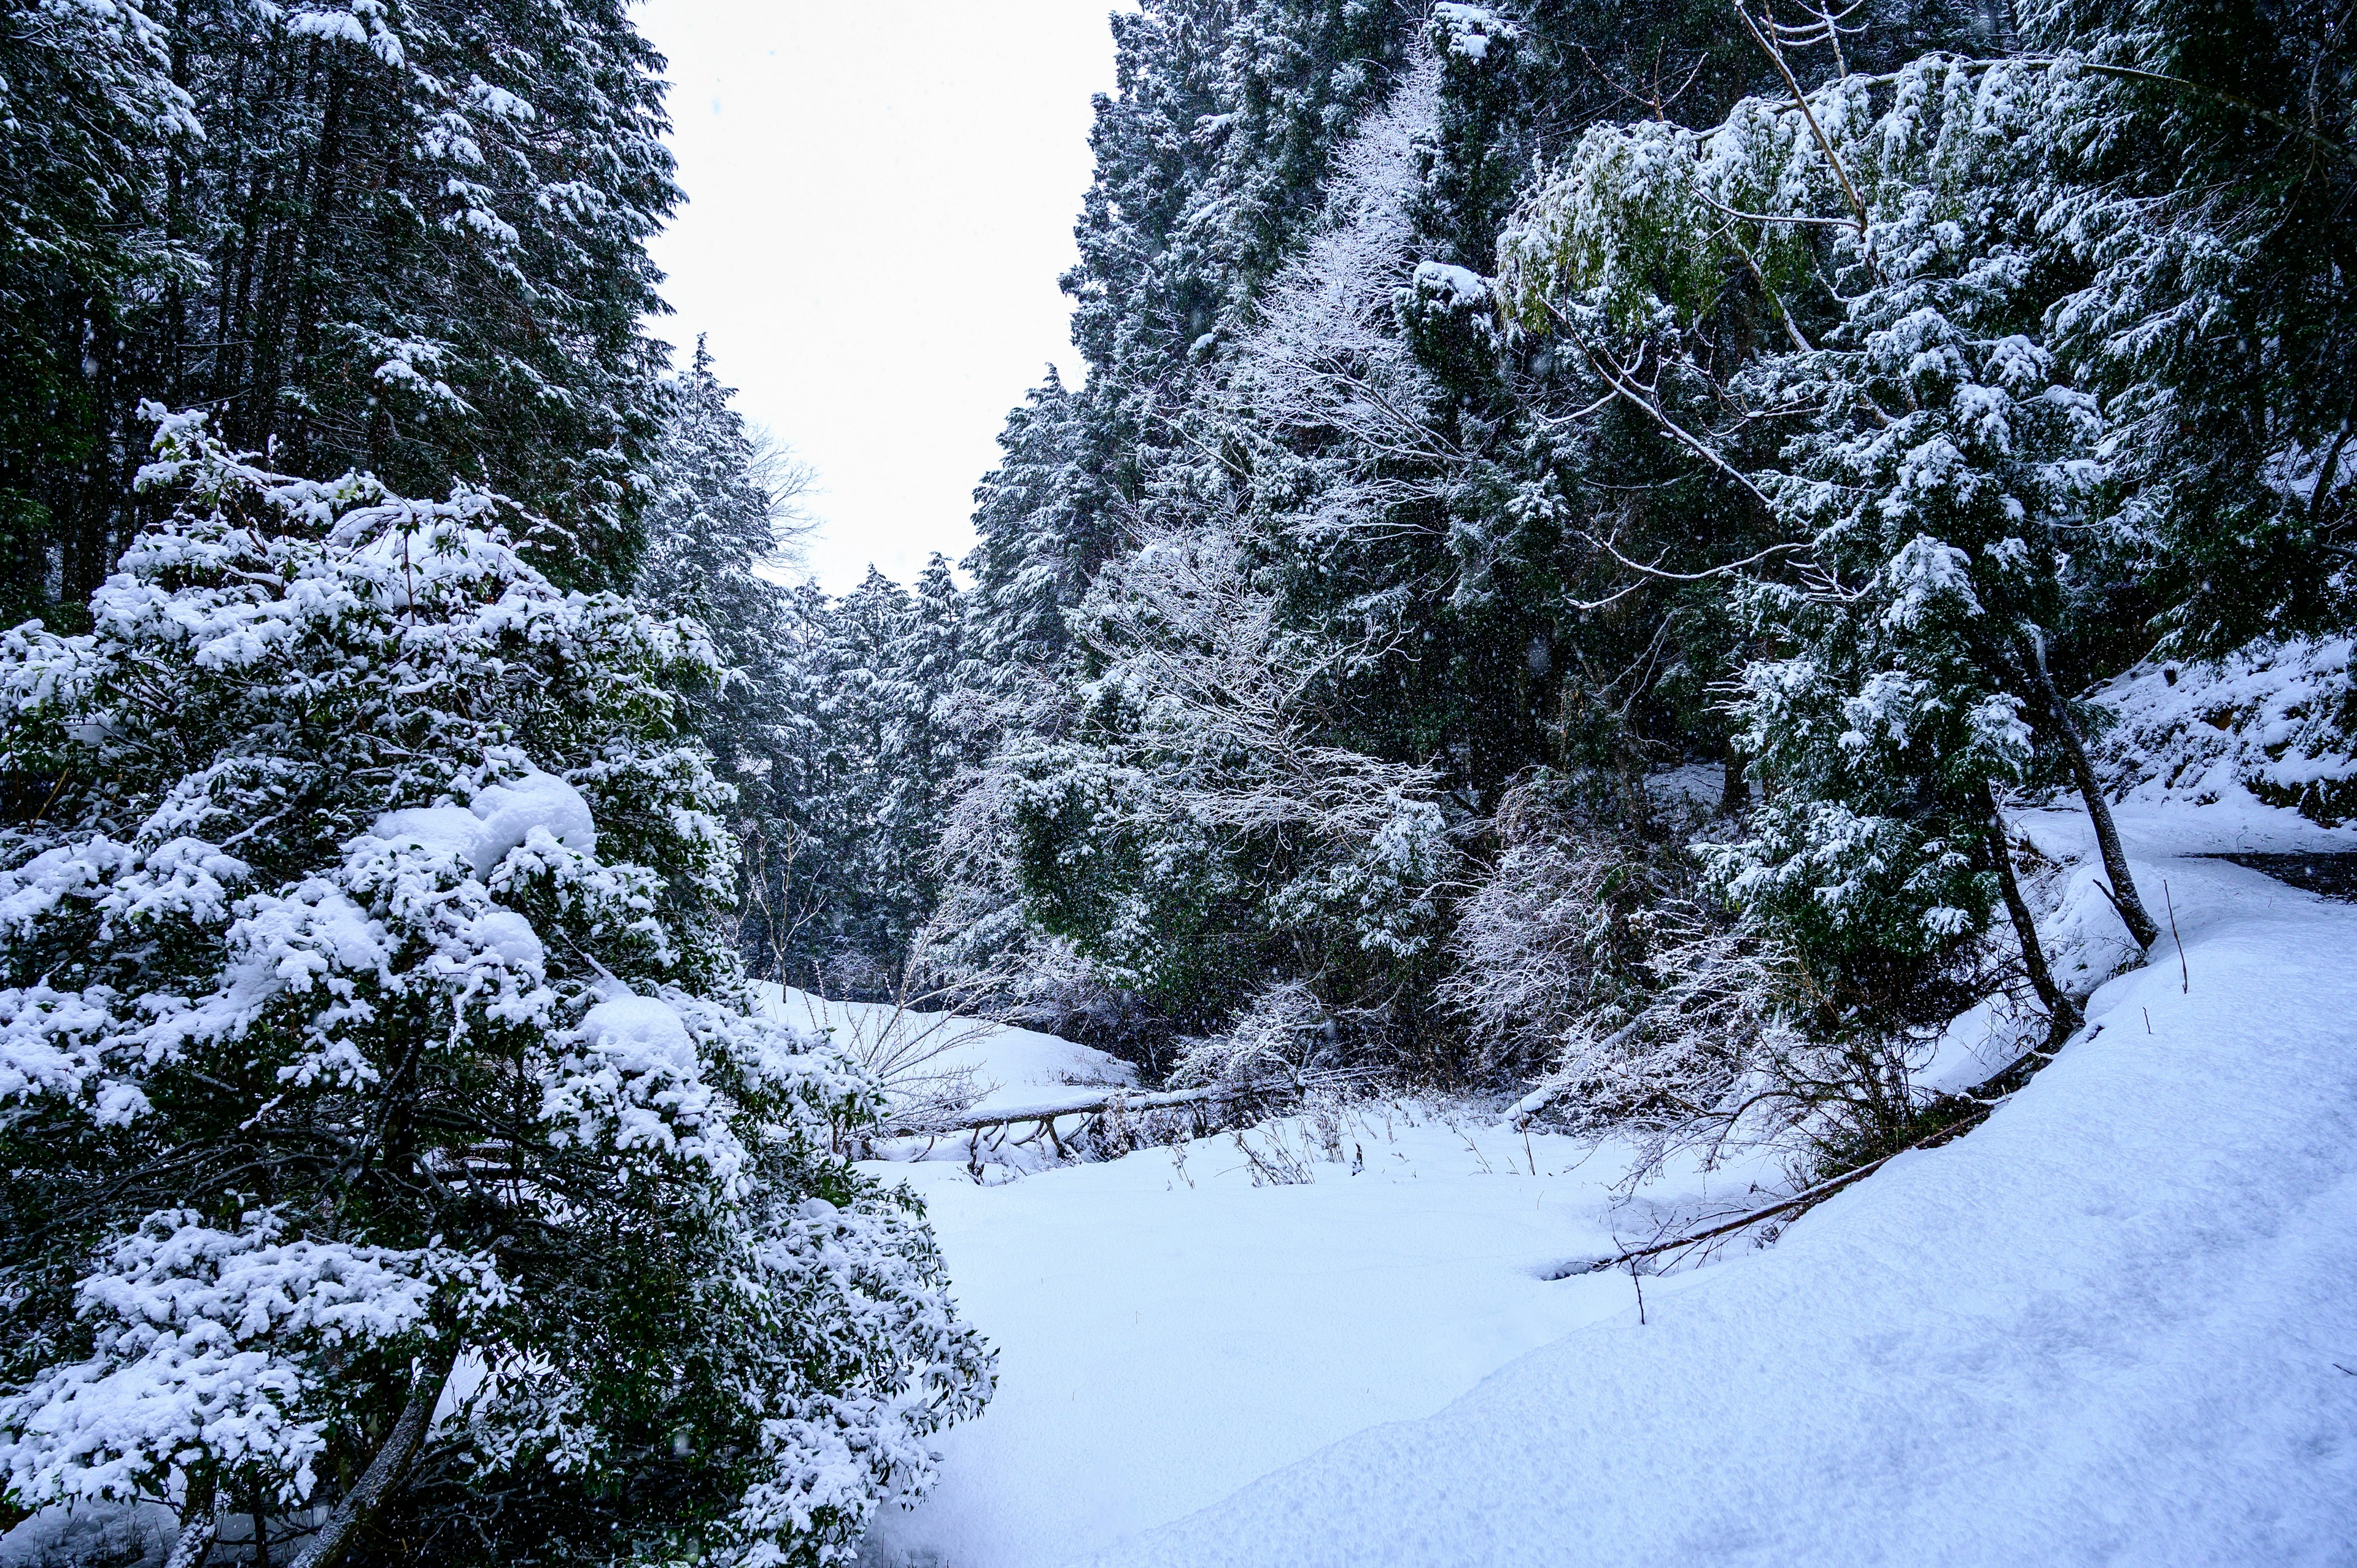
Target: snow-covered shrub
x,y
88,1538
1544,941
1191,838
1384,894
1283,1035
372,1039
1646,1007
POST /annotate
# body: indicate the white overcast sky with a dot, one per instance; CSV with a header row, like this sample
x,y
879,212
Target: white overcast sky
x,y
880,198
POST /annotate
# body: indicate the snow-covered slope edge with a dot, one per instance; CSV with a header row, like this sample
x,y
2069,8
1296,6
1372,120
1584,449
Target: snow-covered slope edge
x,y
2108,1325
2272,722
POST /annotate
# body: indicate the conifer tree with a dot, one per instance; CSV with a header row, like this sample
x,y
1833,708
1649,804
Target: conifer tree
x,y
721,503
374,1043
88,108
2204,165
406,238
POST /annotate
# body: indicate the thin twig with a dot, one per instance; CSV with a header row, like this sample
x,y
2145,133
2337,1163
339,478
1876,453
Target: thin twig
x,y
2184,975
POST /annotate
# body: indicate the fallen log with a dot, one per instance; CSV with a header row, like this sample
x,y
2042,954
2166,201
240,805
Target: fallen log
x,y
1799,1200
1519,1114
1123,1101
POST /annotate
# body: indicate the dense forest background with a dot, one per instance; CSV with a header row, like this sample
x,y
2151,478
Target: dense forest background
x,y
1488,410
1492,409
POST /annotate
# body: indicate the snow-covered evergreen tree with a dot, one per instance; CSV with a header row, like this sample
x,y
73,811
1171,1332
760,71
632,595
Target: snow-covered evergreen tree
x,y
407,238
2205,161
721,504
1938,491
87,105
389,1124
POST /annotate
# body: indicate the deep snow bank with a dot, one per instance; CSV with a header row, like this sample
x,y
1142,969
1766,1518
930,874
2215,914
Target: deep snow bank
x,y
2270,723
2109,1325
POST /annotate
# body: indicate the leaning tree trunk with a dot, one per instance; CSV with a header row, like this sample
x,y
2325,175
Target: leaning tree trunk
x,y
385,1472
2061,1014
2065,732
200,1523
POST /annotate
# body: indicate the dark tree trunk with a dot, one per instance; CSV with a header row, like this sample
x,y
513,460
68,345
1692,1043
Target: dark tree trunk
x,y
2062,1013
386,1472
1735,795
200,1524
2065,732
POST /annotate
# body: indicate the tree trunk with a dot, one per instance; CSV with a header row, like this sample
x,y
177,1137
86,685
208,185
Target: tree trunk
x,y
1735,795
200,1524
2062,1013
2065,732
386,1471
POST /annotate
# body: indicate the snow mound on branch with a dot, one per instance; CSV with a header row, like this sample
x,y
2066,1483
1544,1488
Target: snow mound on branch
x,y
1469,30
636,1066
446,833
636,1030
510,810
2107,1325
503,817
2274,722
510,936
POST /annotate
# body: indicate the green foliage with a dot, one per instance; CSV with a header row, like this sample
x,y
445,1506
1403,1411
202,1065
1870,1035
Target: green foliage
x,y
409,240
373,1027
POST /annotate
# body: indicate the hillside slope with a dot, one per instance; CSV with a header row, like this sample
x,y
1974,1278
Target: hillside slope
x,y
2113,1323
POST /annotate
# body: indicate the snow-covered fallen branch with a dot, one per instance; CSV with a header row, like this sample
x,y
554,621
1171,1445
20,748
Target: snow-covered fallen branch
x,y
1090,1102
1807,1198
1095,1121
1519,1114
1974,1103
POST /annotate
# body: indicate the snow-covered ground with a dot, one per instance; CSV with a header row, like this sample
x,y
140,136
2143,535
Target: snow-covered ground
x,y
2111,1325
934,1056
1169,1331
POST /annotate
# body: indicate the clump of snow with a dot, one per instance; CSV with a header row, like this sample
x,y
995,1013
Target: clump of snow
x,y
510,936
1469,30
1458,285
2275,722
512,810
503,817
633,1077
443,833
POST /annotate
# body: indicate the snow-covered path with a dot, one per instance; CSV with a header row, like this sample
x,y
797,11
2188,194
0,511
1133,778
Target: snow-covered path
x,y
2102,1327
